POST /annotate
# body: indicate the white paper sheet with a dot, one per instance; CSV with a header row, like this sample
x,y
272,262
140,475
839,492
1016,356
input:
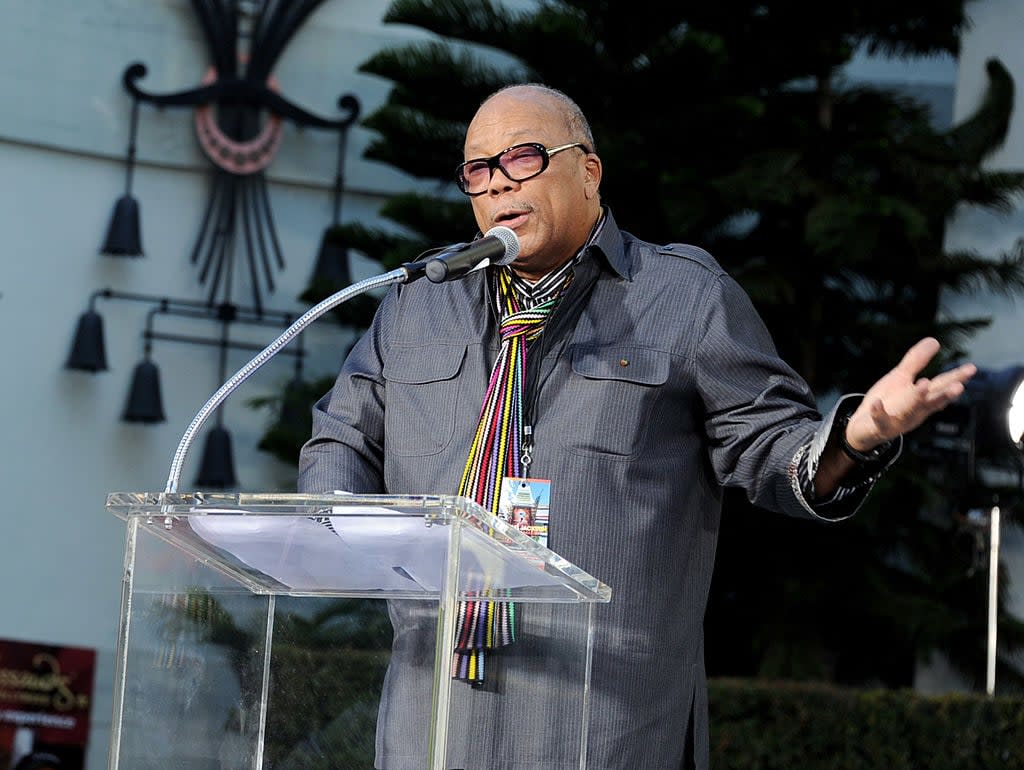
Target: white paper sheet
x,y
374,550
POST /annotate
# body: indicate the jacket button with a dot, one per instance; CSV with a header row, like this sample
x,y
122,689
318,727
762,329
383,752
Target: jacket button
x,y
623,362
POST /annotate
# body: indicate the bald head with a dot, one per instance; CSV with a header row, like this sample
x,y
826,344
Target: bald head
x,y
576,125
553,212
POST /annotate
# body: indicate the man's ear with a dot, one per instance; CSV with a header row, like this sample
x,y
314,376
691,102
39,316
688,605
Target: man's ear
x,y
592,178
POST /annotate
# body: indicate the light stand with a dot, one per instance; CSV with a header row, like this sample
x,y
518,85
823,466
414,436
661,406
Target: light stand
x,y
993,599
976,443
987,526
996,401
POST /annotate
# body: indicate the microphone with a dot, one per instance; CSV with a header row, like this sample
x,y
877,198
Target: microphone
x,y
498,246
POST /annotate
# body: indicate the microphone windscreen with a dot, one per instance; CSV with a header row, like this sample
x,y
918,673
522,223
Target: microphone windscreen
x,y
508,237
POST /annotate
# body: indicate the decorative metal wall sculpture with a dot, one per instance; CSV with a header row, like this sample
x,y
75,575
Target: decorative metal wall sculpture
x,y
239,115
144,403
239,110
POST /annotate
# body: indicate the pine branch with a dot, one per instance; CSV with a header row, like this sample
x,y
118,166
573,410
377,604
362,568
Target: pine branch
x,y
382,246
421,72
967,272
438,220
417,143
473,21
998,191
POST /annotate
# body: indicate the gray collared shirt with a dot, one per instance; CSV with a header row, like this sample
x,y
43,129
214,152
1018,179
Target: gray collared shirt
x,y
656,385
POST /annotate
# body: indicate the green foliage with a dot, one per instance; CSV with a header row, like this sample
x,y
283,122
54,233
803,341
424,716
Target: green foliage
x,y
327,669
326,672
293,421
776,725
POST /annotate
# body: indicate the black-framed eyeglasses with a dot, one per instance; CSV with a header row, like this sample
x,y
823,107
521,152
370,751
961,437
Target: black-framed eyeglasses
x,y
518,162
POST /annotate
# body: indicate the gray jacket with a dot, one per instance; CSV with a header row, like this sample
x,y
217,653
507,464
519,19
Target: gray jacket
x,y
654,384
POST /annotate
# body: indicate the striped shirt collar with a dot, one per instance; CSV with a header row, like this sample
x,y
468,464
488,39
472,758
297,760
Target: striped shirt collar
x,y
532,294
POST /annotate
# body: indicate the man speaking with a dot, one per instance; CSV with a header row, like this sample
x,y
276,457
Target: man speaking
x,y
638,380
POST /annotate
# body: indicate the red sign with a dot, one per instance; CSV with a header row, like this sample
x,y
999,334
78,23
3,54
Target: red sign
x,y
45,698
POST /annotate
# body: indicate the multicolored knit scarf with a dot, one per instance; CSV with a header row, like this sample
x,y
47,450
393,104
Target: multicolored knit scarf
x,y
495,454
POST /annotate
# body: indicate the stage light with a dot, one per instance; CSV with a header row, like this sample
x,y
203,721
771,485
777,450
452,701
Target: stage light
x,y
996,398
1015,413
991,415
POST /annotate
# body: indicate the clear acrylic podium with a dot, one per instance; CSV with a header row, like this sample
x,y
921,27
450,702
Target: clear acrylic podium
x,y
255,633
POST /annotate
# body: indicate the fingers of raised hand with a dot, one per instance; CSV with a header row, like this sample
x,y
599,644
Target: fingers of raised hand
x,y
948,386
904,409
918,357
930,394
958,376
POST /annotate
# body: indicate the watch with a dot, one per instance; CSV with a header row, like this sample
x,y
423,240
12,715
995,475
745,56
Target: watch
x,y
872,455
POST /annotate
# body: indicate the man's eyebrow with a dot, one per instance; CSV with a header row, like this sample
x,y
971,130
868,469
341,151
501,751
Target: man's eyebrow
x,y
524,135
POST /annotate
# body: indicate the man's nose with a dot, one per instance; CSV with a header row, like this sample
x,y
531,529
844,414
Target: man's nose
x,y
500,181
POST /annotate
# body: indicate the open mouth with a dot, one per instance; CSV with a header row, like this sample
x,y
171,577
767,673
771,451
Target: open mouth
x,y
511,218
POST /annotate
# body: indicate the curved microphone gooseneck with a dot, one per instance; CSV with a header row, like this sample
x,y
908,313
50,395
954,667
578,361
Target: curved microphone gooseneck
x,y
499,246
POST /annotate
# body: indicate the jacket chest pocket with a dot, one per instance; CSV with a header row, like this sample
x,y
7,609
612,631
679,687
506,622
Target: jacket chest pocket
x,y
422,398
612,393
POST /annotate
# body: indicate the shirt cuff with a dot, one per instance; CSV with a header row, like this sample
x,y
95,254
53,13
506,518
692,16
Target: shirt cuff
x,y
854,487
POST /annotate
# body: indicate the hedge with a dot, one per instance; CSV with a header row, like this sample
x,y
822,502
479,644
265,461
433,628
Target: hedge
x,y
760,725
